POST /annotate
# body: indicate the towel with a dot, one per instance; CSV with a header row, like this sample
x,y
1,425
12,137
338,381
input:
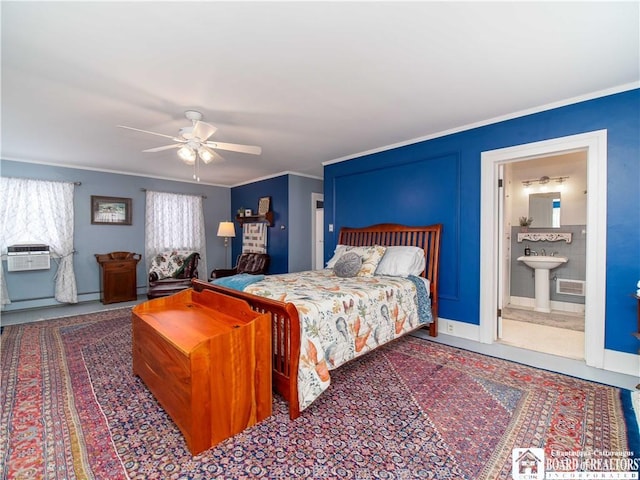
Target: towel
x,y
238,282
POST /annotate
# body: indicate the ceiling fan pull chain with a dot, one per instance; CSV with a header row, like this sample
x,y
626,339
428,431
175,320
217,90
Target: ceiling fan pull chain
x,y
196,173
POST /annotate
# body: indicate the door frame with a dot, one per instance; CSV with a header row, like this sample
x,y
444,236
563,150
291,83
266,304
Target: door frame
x,y
595,144
315,198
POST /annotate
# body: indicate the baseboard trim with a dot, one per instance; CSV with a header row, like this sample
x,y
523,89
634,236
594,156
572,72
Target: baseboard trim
x,y
51,302
555,305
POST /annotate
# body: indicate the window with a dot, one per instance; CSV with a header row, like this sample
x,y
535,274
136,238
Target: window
x,y
174,222
40,211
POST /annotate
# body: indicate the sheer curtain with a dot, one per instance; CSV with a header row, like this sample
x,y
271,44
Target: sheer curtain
x,y
37,211
175,221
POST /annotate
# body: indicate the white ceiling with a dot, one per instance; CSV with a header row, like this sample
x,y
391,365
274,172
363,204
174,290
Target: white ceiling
x,y
308,82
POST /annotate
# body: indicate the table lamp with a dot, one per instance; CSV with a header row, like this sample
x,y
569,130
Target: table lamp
x,y
226,230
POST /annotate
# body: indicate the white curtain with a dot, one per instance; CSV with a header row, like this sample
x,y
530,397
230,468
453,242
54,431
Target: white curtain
x,y
37,211
175,222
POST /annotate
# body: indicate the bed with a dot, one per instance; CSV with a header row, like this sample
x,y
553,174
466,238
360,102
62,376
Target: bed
x,y
371,309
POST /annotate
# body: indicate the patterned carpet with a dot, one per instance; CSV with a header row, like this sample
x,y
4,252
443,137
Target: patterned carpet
x,y
415,409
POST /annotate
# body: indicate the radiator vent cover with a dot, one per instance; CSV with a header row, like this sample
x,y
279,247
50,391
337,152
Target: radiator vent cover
x,y
570,287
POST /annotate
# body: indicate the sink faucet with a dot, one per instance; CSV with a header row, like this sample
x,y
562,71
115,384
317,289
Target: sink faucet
x,y
534,253
543,253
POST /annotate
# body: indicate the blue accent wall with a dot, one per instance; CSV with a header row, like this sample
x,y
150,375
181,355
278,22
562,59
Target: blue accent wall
x,y
36,288
289,240
438,181
248,196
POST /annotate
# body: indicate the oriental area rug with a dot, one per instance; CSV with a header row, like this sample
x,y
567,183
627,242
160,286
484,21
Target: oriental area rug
x,y
72,409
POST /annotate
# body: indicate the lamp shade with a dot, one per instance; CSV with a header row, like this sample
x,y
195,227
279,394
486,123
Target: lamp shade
x,y
226,229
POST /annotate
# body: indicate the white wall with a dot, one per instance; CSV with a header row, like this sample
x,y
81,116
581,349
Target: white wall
x,y
573,203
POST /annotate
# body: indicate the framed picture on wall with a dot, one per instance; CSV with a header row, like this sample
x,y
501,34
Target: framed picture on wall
x,y
110,210
264,205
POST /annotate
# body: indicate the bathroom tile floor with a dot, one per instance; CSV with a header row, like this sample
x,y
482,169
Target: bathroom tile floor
x,y
543,338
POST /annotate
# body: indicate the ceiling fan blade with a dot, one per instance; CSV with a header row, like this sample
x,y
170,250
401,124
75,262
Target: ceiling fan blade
x,y
234,147
152,133
203,131
166,147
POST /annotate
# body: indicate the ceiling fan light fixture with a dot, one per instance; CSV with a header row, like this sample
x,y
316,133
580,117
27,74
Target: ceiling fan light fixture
x,y
187,154
193,143
205,154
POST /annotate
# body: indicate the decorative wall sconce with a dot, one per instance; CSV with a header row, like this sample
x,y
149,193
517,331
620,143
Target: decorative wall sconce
x,y
544,180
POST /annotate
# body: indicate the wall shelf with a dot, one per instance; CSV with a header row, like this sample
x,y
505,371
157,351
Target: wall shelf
x,y
266,218
544,237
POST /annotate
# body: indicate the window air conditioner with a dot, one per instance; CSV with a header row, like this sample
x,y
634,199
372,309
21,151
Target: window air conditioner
x,y
27,257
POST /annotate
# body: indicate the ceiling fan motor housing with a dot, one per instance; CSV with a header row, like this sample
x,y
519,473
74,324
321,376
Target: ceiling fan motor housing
x,y
193,115
186,133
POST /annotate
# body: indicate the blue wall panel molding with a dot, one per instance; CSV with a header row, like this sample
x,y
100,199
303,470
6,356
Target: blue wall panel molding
x,y
409,193
384,187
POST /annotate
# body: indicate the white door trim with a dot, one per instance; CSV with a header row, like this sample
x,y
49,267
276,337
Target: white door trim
x,y
595,143
315,234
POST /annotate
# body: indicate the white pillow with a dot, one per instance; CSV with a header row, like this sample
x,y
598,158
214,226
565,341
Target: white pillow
x,y
402,261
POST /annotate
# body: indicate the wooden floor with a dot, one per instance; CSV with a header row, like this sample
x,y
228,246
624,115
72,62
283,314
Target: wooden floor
x,y
39,314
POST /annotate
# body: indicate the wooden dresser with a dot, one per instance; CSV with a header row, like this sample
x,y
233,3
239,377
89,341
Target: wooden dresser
x,y
118,282
206,358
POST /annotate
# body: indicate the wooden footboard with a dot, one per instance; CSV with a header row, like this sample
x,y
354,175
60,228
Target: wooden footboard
x,y
285,329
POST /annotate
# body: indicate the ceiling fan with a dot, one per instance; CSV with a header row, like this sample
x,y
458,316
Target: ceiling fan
x,y
193,143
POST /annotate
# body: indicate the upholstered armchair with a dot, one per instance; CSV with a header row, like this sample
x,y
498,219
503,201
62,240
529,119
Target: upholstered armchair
x,y
253,263
172,272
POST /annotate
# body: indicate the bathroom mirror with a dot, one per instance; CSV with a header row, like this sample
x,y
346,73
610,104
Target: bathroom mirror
x,y
544,208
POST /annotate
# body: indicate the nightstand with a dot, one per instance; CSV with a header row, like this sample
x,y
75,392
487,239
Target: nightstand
x,y
118,276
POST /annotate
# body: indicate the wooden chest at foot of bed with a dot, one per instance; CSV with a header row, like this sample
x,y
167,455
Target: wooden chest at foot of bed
x,y
206,358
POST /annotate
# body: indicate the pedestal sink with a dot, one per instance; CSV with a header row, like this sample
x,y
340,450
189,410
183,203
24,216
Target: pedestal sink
x,y
542,264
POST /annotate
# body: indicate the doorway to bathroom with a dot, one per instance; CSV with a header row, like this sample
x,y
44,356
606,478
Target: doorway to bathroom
x,y
544,223
317,231
498,253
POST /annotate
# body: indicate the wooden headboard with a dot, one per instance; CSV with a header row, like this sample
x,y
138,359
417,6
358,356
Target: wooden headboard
x,y
391,234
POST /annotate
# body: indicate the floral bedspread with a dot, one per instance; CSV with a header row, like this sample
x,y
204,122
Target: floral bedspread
x,y
342,318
